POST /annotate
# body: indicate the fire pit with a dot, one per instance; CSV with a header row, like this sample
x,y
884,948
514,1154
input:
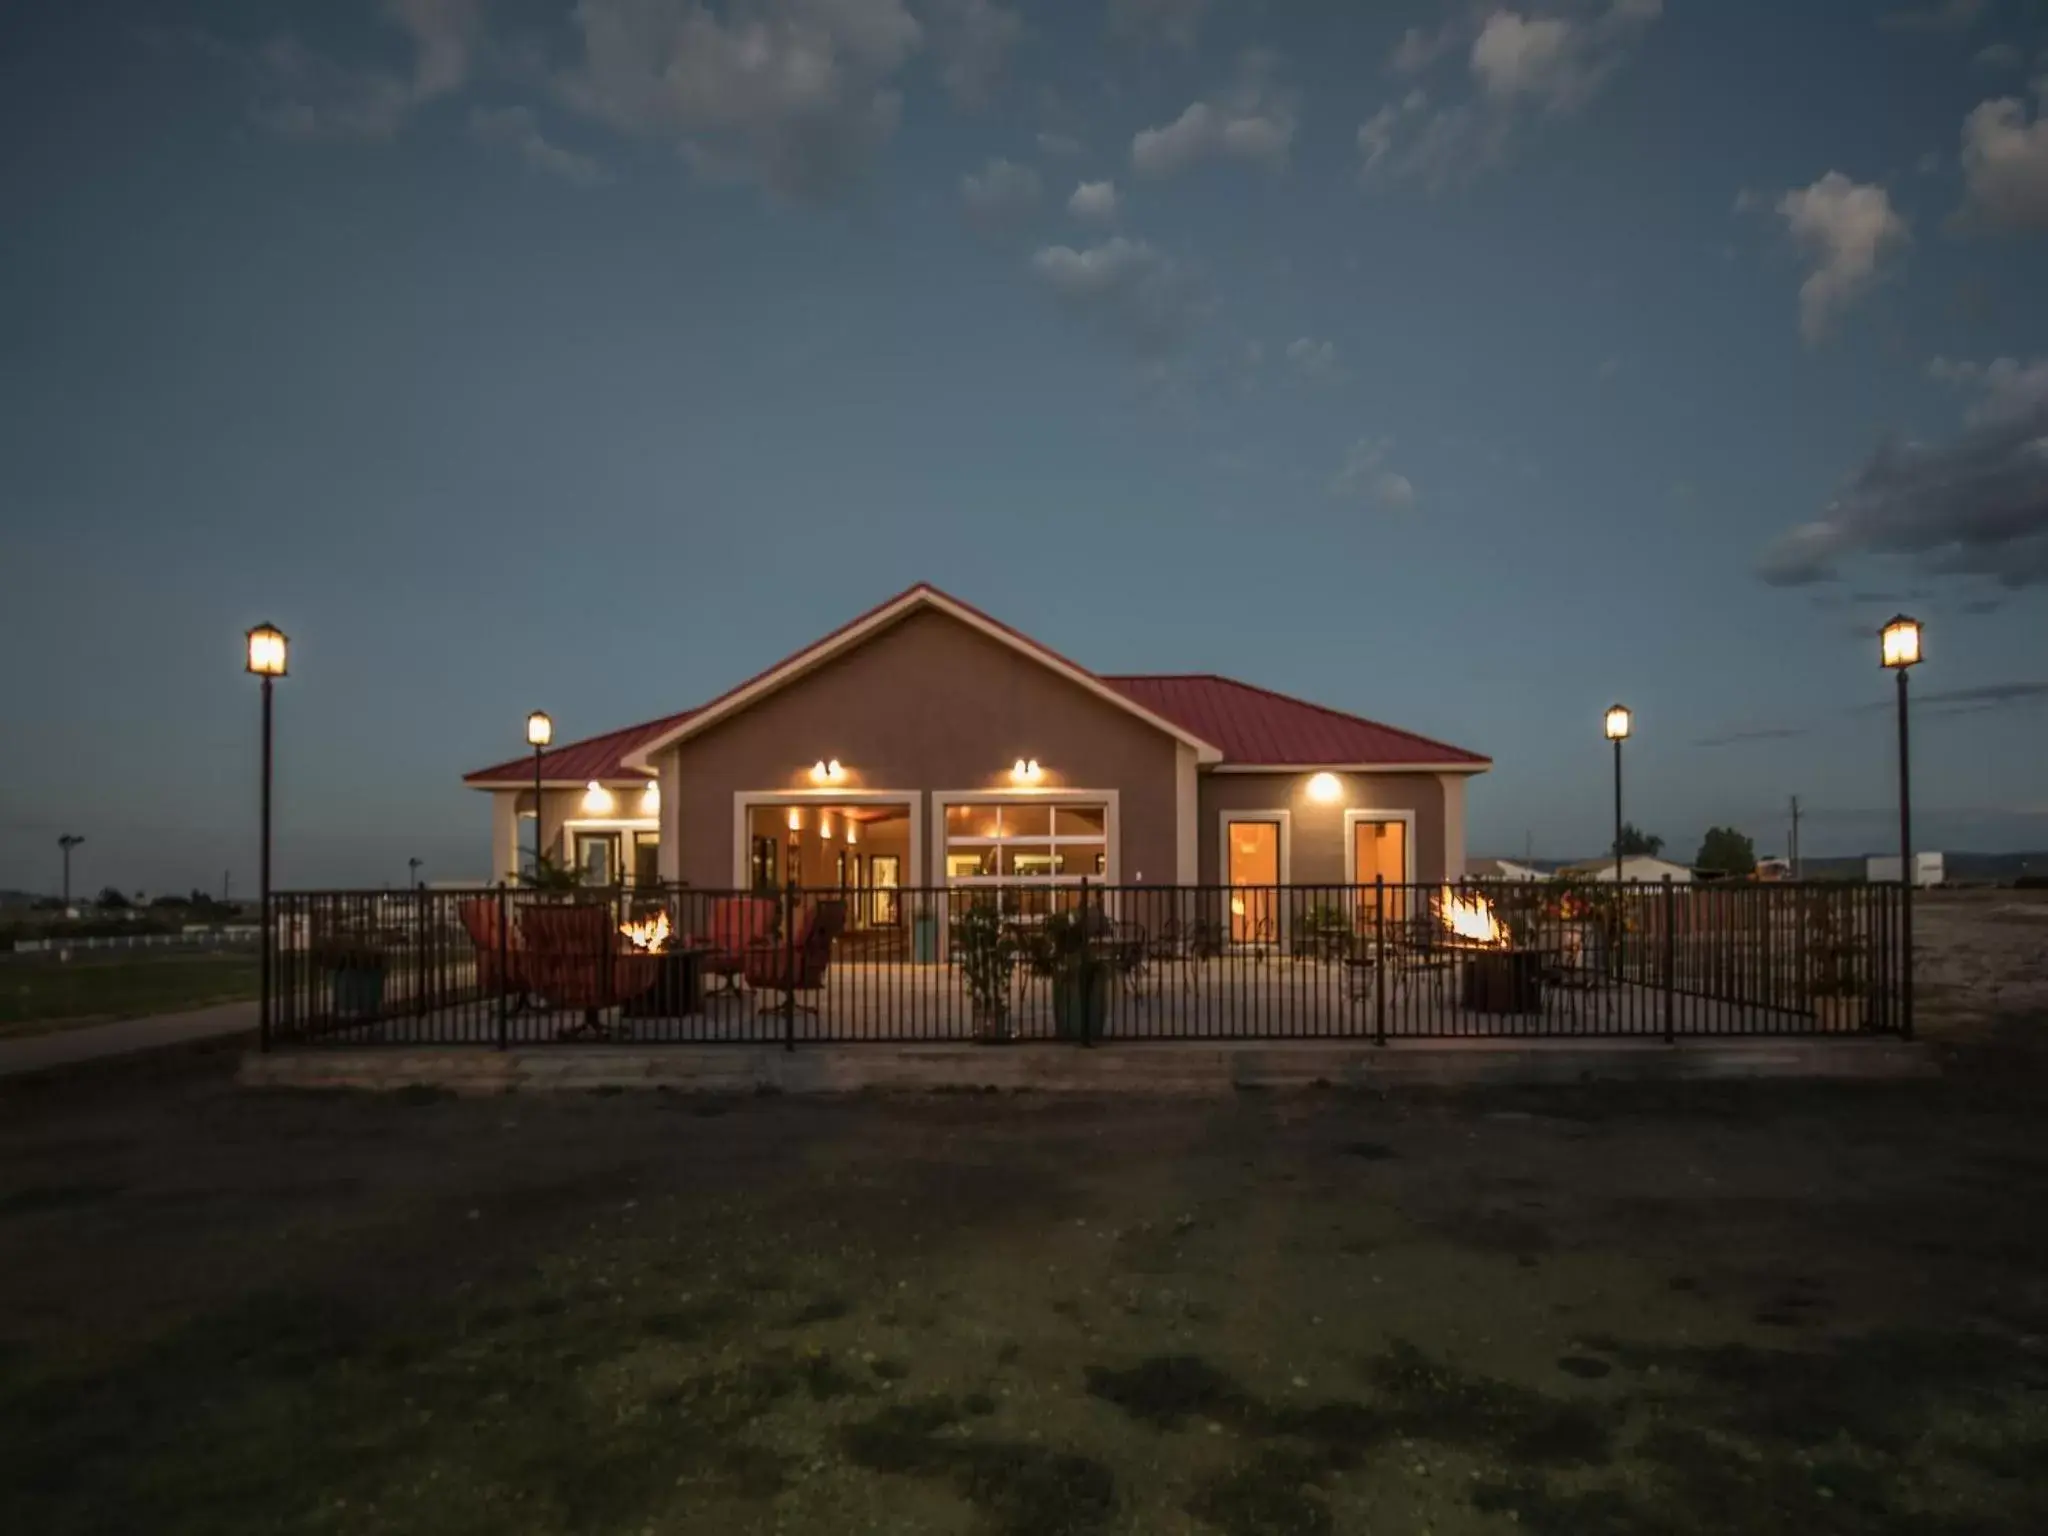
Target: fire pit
x,y
1496,977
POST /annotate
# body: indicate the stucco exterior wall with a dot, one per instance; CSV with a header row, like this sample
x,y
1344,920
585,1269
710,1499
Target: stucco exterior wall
x,y
1316,845
929,704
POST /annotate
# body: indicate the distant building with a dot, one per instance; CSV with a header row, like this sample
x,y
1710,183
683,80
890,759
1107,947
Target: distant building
x,y
1502,869
1927,868
1636,866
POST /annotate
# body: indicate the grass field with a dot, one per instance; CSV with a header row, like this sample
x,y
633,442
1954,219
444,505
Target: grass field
x,y
40,992
1674,1310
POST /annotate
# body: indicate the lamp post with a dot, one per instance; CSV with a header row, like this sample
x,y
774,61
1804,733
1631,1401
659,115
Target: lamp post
x,y
413,867
1619,720
1899,649
267,654
540,730
67,842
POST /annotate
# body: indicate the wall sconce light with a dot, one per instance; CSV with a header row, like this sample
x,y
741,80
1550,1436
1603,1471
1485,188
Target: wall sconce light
x,y
1025,771
796,819
650,798
827,771
597,800
852,833
1324,789
825,825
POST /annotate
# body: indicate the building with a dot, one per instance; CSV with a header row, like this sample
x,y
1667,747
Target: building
x,y
1502,869
1927,868
928,744
1636,866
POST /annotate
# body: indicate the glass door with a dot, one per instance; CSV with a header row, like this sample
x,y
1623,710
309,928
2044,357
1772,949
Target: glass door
x,y
1252,870
1379,851
597,856
885,874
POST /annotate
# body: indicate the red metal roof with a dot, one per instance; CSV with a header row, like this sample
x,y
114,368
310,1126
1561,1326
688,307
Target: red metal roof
x,y
578,762
1258,727
1250,726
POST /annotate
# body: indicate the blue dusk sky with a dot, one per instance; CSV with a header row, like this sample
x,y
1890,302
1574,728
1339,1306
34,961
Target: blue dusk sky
x,y
1465,366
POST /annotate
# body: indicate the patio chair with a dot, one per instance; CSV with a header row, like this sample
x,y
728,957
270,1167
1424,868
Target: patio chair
x,y
500,952
576,959
798,964
1129,952
738,924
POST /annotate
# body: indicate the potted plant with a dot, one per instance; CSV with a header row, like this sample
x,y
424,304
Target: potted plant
x,y
1070,951
356,966
1321,933
1834,970
985,949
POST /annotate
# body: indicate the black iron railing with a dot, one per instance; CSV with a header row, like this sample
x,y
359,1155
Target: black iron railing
x,y
1083,963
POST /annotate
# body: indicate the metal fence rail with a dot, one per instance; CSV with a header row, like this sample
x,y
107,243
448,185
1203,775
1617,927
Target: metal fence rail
x,y
1082,963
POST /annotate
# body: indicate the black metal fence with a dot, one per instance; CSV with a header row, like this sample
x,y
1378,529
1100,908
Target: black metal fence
x,y
509,967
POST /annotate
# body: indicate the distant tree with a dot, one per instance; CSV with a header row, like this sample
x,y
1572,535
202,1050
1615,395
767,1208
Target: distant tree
x,y
1634,840
1725,851
169,901
112,900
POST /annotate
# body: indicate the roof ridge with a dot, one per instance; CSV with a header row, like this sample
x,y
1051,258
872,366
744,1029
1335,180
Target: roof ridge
x,y
1296,699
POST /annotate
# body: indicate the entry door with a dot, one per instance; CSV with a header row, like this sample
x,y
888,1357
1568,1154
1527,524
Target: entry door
x,y
885,874
597,855
1251,849
1379,850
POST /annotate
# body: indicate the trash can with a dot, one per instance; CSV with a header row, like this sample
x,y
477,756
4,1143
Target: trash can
x,y
924,937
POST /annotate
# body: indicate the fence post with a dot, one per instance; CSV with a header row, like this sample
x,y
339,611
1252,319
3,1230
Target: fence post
x,y
1670,962
1379,960
1090,928
504,971
419,950
789,960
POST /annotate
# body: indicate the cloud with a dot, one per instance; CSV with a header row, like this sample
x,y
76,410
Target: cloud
x,y
1948,16
1094,202
2000,56
1364,476
1967,701
2005,167
1000,193
1252,124
1315,361
796,95
1976,505
514,128
1125,289
1175,22
1061,144
1761,733
1419,48
305,95
1520,66
972,39
1849,231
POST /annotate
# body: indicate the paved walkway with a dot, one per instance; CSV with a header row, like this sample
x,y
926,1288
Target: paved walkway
x,y
97,1042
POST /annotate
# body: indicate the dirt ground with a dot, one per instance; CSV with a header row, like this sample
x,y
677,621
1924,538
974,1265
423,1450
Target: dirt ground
x,y
1701,1308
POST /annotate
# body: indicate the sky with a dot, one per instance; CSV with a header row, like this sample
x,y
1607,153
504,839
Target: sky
x,y
1470,367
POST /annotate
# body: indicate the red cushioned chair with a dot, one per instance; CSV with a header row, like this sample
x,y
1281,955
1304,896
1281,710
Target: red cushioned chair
x,y
500,954
577,959
738,924
786,968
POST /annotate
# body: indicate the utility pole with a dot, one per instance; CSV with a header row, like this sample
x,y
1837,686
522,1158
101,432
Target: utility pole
x,y
227,879
1795,837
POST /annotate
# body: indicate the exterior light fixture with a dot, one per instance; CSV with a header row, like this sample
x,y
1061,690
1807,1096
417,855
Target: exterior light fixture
x,y
597,800
1899,649
1619,723
268,650
1324,789
827,771
267,653
540,730
1025,771
1900,642
650,798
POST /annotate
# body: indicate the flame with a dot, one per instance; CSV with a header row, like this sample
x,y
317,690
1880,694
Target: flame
x,y
1471,919
651,935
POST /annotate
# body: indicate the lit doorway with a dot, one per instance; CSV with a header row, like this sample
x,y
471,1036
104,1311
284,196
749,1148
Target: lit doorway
x,y
1382,848
1254,867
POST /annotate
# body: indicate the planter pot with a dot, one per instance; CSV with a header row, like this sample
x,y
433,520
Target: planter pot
x,y
1839,1015
1080,1002
359,992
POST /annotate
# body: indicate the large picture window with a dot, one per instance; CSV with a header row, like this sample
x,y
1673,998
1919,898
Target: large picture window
x,y
1032,844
